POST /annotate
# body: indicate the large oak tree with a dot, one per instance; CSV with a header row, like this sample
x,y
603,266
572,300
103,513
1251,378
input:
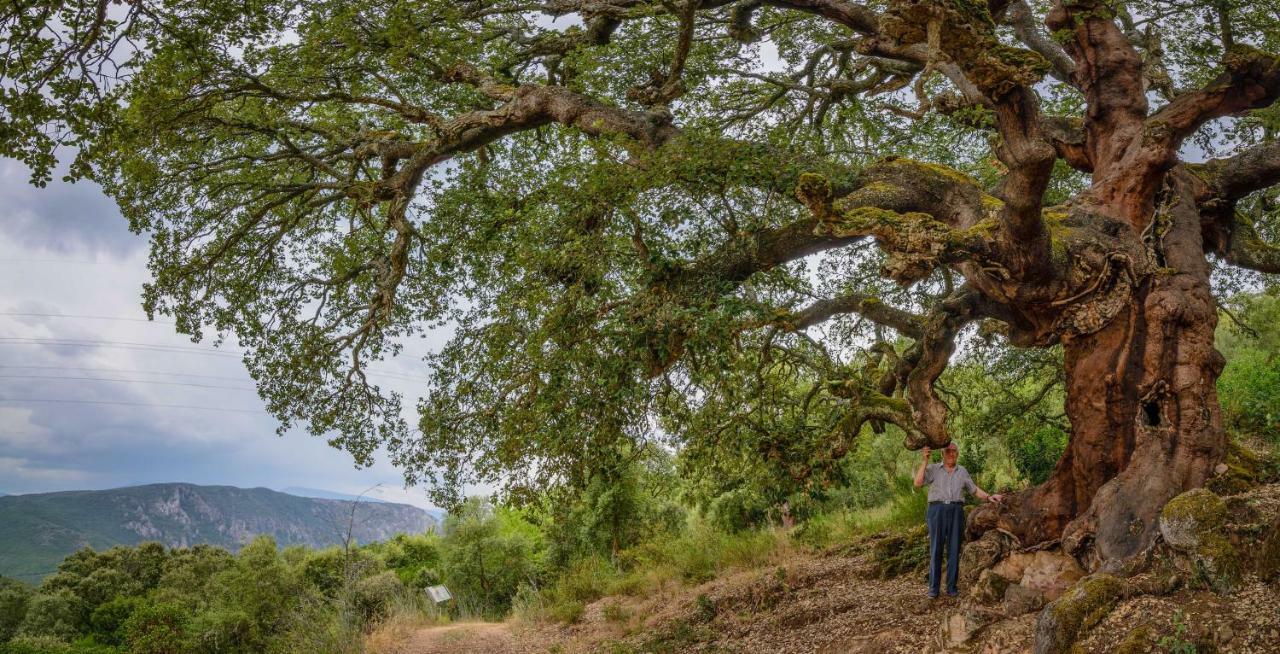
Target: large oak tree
x,y
649,218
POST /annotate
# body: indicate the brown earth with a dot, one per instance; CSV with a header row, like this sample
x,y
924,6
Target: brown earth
x,y
834,603
831,605
463,638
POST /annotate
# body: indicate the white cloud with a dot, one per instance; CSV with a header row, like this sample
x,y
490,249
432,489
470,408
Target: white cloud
x,y
71,276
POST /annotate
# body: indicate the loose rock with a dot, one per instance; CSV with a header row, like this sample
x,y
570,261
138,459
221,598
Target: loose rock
x,y
1075,612
1051,573
1019,599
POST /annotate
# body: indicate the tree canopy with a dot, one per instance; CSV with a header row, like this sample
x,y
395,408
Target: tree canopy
x,y
757,223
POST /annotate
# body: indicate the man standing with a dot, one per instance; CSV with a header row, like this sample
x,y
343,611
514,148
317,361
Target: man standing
x,y
947,484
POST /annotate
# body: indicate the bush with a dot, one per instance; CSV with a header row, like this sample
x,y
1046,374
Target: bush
x,y
48,645
738,510
488,554
54,616
156,629
107,621
14,597
372,597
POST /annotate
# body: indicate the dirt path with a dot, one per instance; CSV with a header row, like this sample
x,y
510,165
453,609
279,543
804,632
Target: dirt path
x,y
463,638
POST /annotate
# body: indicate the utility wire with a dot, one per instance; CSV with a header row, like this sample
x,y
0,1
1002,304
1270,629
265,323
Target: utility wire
x,y
162,382
145,347
125,370
48,400
373,373
24,314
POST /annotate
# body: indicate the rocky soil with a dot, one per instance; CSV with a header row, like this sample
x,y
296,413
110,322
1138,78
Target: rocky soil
x,y
1012,601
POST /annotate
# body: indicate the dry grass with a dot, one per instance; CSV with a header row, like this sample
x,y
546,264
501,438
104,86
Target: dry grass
x,y
404,620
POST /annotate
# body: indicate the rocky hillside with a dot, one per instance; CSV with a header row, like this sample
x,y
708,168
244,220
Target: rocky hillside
x,y
1212,584
39,530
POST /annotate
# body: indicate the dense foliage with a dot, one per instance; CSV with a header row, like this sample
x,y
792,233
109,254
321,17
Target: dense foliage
x,y
654,520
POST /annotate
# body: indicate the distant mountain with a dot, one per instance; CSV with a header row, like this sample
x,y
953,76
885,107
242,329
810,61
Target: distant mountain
x,y
327,495
41,529
375,495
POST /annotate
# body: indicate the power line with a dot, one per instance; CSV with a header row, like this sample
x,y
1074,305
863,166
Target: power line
x,y
23,314
126,370
145,347
47,400
161,382
80,261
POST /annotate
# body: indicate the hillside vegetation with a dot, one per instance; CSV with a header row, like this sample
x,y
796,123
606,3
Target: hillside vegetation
x,y
703,551
41,529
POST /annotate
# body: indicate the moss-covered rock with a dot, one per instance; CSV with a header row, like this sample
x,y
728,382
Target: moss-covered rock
x,y
1139,641
902,553
1191,517
1020,600
1078,610
989,588
983,553
1192,523
1268,562
1241,471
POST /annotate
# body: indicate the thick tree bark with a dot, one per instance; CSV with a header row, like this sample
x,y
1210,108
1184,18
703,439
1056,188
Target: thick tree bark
x,y
1142,403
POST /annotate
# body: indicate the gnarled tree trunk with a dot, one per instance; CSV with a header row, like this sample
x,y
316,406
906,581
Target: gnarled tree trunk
x,y
1142,403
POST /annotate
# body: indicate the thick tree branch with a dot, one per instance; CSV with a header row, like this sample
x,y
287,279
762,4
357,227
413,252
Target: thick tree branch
x,y
931,353
1108,71
1252,170
1246,248
1019,16
868,306
920,222
1250,80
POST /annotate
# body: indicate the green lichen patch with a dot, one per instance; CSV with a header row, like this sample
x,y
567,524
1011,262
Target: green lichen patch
x,y
1139,641
1188,518
1193,523
1268,563
900,554
1078,610
1245,470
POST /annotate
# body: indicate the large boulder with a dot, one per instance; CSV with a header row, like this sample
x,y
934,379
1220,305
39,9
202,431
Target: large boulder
x,y
901,553
1192,523
1013,566
959,628
983,553
1063,621
1051,573
1019,600
989,588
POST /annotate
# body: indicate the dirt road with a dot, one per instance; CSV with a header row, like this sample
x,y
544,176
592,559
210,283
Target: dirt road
x,y
463,638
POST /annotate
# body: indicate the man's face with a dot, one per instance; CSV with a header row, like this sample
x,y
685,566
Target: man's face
x,y
950,454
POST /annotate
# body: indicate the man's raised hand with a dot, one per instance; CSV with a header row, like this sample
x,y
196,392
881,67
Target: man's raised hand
x,y
927,452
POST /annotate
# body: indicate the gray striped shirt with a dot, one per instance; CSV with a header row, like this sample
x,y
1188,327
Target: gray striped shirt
x,y
948,486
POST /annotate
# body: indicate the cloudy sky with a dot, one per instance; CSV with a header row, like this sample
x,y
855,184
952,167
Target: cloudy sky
x,y
92,395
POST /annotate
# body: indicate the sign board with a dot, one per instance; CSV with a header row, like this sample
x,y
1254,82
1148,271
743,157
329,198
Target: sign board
x,y
439,594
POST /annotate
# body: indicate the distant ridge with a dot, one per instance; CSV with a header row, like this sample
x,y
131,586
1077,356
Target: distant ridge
x,y
41,529
328,495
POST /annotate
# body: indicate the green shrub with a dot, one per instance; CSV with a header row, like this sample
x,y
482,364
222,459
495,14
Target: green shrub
x,y
156,629
488,554
108,620
14,597
49,645
52,615
372,597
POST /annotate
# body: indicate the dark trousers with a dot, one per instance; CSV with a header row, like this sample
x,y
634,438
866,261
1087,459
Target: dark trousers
x,y
946,528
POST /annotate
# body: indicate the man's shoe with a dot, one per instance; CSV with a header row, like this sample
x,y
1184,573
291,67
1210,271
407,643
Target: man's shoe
x,y
933,596
955,594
